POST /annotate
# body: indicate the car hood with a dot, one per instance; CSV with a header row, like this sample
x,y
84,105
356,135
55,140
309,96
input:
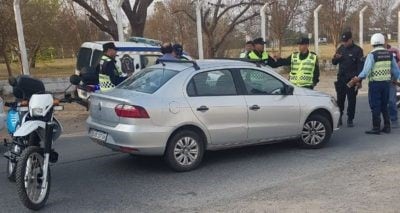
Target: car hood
x,y
309,92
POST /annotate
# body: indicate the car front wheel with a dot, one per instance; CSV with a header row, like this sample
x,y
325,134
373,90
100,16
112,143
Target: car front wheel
x,y
316,132
184,151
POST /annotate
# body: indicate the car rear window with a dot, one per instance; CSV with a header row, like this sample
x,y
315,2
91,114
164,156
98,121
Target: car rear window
x,y
148,80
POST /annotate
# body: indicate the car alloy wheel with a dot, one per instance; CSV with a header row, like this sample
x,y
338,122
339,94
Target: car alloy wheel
x,y
185,150
313,132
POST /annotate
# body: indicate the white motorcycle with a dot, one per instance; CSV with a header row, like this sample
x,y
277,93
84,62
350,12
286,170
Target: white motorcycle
x,y
34,138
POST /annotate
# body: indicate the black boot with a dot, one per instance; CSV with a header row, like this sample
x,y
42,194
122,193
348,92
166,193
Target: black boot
x,y
376,129
373,131
340,123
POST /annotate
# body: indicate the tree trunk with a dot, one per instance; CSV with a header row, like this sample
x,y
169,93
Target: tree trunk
x,y
8,65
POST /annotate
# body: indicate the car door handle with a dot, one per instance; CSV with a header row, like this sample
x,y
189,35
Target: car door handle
x,y
202,108
254,107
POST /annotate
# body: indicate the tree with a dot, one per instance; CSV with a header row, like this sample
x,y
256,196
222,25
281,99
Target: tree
x,y
136,15
284,13
7,32
220,19
382,11
334,14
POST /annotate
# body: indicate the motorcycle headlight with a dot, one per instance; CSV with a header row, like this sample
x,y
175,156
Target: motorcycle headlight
x,y
37,112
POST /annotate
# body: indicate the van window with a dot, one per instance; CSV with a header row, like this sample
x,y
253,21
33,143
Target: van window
x,y
96,57
83,58
148,60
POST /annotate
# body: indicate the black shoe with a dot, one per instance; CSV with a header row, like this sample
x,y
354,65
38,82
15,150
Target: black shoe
x,y
386,130
350,123
373,132
340,123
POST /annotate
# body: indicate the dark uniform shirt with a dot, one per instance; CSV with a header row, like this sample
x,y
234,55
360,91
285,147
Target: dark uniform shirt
x,y
351,62
109,68
288,61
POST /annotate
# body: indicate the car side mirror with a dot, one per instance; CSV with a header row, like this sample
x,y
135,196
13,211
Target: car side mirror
x,y
74,79
289,90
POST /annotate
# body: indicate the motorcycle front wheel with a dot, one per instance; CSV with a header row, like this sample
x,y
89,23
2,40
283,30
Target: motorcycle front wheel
x,y
32,190
10,171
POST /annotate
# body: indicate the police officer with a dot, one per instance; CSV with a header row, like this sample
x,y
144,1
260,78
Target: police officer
x,y
259,54
109,74
177,51
349,57
247,48
379,67
393,88
167,51
304,68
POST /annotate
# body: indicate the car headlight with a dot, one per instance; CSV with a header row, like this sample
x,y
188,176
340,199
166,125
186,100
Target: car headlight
x,y
37,112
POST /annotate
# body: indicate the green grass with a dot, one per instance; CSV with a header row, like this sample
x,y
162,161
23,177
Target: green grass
x,y
45,69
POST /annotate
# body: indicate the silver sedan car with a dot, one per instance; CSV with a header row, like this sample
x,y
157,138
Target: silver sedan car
x,y
180,110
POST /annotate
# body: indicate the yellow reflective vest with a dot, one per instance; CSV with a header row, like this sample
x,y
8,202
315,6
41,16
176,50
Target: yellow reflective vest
x,y
302,71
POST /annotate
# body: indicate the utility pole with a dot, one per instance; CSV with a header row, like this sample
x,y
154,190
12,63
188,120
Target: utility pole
x,y
199,30
21,38
119,20
361,33
316,36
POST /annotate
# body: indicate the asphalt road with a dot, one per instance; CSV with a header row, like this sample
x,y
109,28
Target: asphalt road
x,y
91,178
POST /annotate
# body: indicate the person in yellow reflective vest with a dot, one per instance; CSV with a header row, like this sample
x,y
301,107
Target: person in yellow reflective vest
x,y
304,69
109,74
247,49
258,53
379,67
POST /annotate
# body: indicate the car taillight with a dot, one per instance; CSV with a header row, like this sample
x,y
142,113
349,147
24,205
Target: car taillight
x,y
130,111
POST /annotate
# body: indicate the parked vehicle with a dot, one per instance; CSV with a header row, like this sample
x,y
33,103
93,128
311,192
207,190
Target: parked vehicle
x,y
131,57
31,149
181,109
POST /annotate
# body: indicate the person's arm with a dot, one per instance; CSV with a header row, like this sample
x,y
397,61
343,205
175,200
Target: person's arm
x,y
115,79
337,58
360,59
369,62
280,62
316,73
395,69
283,61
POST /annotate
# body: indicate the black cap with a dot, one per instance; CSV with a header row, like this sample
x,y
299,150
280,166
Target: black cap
x,y
346,36
109,45
259,41
178,49
303,40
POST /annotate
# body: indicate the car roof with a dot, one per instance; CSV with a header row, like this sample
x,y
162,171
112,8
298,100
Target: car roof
x,y
205,64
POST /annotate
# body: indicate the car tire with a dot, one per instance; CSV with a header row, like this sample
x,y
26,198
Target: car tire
x,y
184,151
316,132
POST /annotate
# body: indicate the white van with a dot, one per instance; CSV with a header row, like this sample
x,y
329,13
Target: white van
x,y
131,57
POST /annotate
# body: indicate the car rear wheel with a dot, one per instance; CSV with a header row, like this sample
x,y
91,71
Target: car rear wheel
x,y
316,132
184,151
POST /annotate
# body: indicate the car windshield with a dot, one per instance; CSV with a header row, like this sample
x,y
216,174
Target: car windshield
x,y
148,80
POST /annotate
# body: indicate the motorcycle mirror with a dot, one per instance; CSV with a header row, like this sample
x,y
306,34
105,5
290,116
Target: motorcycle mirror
x,y
74,79
12,81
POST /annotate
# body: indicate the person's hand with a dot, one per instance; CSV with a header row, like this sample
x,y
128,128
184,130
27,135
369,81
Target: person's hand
x,y
337,56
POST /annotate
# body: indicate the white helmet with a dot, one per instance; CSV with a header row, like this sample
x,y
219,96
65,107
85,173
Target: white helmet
x,y
377,39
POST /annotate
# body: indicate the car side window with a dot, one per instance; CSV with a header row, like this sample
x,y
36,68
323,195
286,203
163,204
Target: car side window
x,y
261,83
212,83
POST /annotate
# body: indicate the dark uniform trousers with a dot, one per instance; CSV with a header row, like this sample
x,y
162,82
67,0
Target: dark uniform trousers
x,y
378,97
343,91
